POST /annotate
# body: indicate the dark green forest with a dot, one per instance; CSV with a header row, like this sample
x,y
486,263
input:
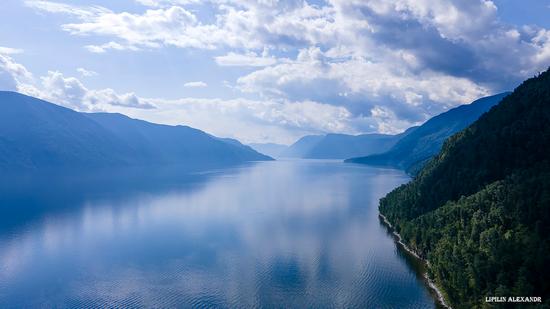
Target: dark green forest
x,y
479,211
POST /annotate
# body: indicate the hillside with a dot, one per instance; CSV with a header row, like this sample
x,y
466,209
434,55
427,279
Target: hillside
x,y
174,144
35,133
38,134
341,146
480,210
413,150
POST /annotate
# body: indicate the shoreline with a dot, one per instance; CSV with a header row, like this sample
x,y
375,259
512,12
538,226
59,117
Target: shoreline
x,y
430,282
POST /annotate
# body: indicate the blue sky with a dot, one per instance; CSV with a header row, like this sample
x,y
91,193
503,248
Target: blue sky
x,y
272,71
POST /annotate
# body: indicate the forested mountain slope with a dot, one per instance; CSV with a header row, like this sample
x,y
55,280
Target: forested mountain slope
x,y
480,210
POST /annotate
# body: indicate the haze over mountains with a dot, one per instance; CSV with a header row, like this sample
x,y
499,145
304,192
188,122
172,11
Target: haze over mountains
x,y
35,133
408,150
270,149
414,149
338,146
38,134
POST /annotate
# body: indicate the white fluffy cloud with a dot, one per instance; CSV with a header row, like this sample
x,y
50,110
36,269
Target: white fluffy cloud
x,y
12,74
280,120
455,38
249,59
389,64
198,84
83,12
66,91
160,3
362,86
10,51
86,73
99,49
70,92
238,24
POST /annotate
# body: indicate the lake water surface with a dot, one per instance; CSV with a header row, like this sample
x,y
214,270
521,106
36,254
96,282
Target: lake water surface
x,y
271,234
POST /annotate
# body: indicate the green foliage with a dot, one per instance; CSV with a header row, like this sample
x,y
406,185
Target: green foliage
x,y
480,210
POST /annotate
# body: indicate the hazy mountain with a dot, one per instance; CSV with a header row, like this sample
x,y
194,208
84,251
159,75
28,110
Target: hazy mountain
x,y
174,144
301,147
270,149
412,151
480,210
245,148
341,146
37,134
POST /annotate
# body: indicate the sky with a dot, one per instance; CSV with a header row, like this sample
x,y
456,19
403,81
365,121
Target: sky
x,y
272,71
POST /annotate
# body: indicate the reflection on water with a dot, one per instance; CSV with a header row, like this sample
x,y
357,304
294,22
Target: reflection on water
x,y
287,233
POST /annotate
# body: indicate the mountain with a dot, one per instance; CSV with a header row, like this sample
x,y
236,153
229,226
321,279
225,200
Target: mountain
x,y
246,148
270,149
302,147
173,144
341,146
480,210
413,150
38,134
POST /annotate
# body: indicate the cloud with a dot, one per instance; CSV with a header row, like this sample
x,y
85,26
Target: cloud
x,y
86,73
161,3
66,91
83,12
250,59
279,121
437,35
238,24
174,26
70,92
389,64
434,32
198,84
99,49
12,74
10,51
361,86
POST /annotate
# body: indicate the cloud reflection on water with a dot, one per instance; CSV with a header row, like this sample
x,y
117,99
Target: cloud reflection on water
x,y
292,233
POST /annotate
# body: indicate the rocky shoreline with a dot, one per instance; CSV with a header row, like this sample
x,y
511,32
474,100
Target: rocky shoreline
x,y
430,282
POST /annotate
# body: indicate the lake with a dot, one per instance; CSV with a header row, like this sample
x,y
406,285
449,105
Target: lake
x,y
296,233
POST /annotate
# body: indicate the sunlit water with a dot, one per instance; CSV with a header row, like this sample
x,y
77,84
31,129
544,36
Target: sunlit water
x,y
273,234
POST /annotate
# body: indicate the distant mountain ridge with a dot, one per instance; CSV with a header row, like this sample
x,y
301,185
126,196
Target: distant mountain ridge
x,y
301,147
38,134
270,149
341,146
413,150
